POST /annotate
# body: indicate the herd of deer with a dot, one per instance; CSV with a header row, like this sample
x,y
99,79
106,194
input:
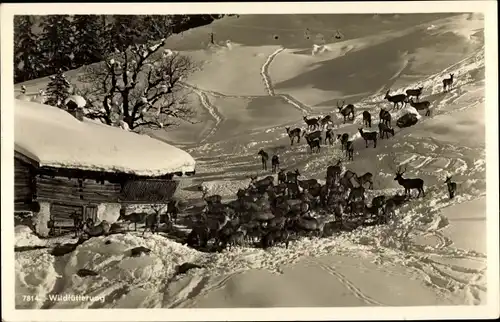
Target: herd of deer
x,y
268,213
313,133
151,221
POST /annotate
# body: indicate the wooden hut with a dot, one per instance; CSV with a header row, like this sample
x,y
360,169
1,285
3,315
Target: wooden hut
x,y
65,166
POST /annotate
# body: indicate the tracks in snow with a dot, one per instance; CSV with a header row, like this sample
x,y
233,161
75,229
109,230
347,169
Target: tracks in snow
x,y
270,88
264,71
348,284
196,288
213,111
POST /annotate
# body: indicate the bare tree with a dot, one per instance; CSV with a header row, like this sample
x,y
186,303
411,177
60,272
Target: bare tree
x,y
139,86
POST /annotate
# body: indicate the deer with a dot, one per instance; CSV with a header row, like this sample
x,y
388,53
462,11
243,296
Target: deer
x,y
333,171
292,134
135,218
264,158
384,130
346,110
368,136
173,210
275,163
312,135
414,92
343,139
152,223
265,182
421,106
448,83
312,123
396,99
329,136
385,116
325,121
452,187
378,202
367,119
308,184
356,193
409,184
367,177
292,177
78,222
281,176
349,150
314,144
209,200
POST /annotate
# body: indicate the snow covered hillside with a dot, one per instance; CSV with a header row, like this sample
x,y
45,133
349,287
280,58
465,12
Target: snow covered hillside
x,y
433,253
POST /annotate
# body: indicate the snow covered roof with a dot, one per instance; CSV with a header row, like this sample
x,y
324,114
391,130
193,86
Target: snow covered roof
x,y
53,137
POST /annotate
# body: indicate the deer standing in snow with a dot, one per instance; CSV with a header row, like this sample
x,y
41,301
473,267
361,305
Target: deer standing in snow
x,y
385,117
264,158
346,110
422,106
292,134
275,163
312,123
367,119
409,184
452,187
396,99
448,83
414,92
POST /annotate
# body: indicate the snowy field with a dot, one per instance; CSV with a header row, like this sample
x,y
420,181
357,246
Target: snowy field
x,y
432,253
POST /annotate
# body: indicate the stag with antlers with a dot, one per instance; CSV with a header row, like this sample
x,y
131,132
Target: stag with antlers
x,y
409,184
346,110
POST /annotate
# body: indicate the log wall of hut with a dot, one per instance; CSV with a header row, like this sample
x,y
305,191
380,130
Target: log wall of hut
x,y
76,191
24,186
82,188
74,196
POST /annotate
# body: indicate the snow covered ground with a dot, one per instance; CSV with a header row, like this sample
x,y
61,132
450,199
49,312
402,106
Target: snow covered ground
x,y
433,253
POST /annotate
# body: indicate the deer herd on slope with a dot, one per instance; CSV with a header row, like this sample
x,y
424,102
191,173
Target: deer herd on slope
x,y
313,131
267,213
